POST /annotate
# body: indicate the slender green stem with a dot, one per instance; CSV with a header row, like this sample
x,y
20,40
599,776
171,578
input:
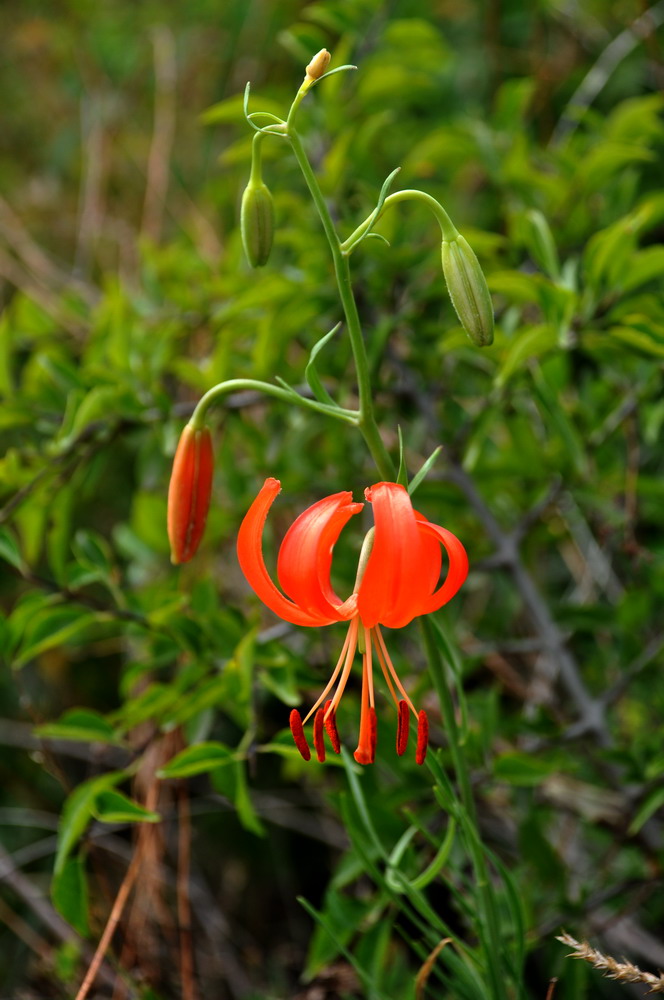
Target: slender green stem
x,y
367,420
491,942
447,227
256,159
285,395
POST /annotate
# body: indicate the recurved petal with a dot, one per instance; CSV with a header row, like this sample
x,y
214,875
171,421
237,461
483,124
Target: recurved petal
x,y
394,585
250,556
305,556
457,570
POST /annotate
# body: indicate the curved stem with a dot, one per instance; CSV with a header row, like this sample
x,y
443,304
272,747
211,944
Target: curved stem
x,y
367,421
256,158
217,392
447,227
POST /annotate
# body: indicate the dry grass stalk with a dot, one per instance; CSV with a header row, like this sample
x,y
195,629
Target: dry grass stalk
x,y
609,967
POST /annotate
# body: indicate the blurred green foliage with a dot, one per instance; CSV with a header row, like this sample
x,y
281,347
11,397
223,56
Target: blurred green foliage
x,y
125,295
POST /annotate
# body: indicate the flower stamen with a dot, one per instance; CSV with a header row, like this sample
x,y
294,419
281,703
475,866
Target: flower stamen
x,y
403,726
298,734
335,674
331,728
422,737
366,747
380,645
318,735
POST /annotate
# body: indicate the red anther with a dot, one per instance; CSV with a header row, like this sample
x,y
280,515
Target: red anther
x,y
422,737
373,732
403,725
331,728
318,735
298,734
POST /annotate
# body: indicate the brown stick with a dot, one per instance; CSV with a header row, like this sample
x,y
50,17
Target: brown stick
x,y
165,71
112,923
424,973
183,901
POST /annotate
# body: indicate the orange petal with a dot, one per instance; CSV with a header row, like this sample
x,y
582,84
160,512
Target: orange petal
x,y
457,570
394,585
189,493
250,556
305,556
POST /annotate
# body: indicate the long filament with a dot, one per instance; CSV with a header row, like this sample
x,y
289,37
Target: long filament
x,y
350,655
369,666
335,672
386,675
390,666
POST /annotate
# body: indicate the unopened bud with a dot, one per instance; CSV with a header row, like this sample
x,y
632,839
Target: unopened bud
x,y
468,290
257,223
318,65
189,493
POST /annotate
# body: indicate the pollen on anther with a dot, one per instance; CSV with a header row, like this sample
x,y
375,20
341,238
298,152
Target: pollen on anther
x,y
318,735
422,737
373,732
403,726
298,734
331,727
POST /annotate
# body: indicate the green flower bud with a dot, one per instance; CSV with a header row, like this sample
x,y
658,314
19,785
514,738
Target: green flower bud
x,y
257,223
468,290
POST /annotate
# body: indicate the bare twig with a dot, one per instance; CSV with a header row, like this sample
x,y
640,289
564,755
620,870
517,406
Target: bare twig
x,y
111,924
165,72
626,972
26,890
600,73
36,260
13,272
424,973
91,211
183,897
590,709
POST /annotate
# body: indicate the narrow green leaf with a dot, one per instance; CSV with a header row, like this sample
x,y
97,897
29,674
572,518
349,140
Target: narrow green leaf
x,y
650,805
9,548
521,769
79,724
421,474
77,813
311,374
112,806
402,475
69,893
197,759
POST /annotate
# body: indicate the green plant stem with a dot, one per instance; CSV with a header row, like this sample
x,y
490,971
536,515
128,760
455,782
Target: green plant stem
x,y
447,227
491,941
256,176
217,392
367,421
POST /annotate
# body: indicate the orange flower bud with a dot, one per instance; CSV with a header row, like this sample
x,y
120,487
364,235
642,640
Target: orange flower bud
x,y
189,493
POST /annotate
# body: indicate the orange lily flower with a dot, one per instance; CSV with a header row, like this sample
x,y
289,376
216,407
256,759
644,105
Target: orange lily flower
x,y
397,580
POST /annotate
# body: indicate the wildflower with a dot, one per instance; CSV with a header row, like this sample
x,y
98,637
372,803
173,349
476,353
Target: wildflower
x,y
189,492
397,579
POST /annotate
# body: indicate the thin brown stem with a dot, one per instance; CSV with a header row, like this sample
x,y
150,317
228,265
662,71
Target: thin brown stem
x,y
111,925
183,901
